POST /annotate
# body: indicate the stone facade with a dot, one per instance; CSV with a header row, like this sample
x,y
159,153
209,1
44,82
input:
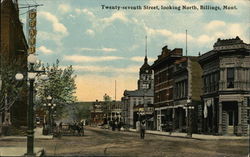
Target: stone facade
x,y
226,79
187,87
142,96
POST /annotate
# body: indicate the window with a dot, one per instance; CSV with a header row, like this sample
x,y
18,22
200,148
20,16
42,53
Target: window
x,y
230,78
248,102
209,82
206,83
134,101
145,86
248,114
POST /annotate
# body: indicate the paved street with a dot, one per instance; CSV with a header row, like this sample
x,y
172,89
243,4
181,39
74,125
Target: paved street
x,y
106,142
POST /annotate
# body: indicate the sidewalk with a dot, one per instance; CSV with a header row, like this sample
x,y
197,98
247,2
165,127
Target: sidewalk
x,y
38,135
20,151
194,136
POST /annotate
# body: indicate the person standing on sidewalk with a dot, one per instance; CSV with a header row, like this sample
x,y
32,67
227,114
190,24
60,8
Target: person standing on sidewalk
x,y
142,129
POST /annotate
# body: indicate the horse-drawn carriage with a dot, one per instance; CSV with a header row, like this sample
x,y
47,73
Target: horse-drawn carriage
x,y
75,129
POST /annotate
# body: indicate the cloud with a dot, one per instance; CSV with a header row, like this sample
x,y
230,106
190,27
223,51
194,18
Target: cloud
x,y
215,25
92,88
85,11
50,36
98,23
167,33
163,32
133,47
64,8
72,16
90,32
78,58
221,29
57,26
204,39
116,16
102,49
141,59
44,50
98,69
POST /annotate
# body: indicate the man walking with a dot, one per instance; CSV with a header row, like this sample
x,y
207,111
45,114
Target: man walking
x,y
142,129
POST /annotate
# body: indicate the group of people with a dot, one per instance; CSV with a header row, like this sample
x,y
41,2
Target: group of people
x,y
115,124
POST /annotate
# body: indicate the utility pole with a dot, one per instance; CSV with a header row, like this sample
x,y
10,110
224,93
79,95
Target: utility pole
x,y
186,42
115,90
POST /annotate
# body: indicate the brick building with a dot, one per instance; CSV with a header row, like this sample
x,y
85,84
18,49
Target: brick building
x,y
103,112
13,55
163,87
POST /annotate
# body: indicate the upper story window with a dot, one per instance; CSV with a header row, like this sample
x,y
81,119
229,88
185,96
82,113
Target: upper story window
x,y
248,102
145,85
230,77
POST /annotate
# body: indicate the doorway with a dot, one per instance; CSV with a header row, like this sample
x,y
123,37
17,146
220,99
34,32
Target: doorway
x,y
230,117
230,122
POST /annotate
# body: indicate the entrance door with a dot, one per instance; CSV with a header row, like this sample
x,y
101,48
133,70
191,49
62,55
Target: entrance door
x,y
230,128
159,122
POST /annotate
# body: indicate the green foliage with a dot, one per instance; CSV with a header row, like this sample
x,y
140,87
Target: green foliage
x,y
107,98
76,111
60,86
82,111
10,87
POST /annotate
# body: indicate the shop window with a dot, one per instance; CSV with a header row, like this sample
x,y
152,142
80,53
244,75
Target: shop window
x,y
248,115
248,102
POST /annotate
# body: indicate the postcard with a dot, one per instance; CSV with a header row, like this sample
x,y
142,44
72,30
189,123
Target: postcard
x,y
132,78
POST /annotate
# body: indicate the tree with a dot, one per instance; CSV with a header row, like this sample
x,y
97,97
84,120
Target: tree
x,y
82,111
106,98
106,108
10,88
60,86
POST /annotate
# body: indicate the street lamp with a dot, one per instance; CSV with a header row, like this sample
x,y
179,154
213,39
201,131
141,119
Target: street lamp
x,y
32,73
248,134
52,118
50,107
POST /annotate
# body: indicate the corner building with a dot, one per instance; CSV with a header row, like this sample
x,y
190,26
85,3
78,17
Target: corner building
x,y
226,88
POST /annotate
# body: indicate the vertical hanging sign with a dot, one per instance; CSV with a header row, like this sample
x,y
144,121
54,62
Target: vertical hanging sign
x,y
32,30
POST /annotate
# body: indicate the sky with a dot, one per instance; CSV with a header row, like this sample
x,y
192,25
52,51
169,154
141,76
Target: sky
x,y
108,45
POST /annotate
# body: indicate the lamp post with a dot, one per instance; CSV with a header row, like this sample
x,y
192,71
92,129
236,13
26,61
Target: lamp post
x,y
52,118
50,107
32,73
248,136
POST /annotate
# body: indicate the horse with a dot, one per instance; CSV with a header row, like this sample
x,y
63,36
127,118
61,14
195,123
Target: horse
x,y
76,128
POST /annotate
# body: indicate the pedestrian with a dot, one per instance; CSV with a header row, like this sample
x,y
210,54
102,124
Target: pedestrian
x,y
60,125
142,129
113,126
116,124
119,126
